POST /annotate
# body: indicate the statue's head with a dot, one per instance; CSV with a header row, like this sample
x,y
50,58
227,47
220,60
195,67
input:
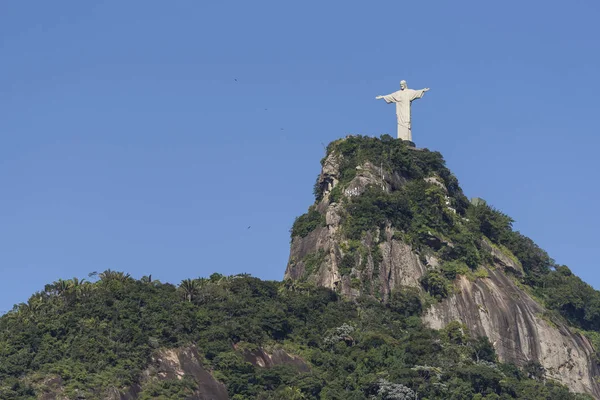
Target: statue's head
x,y
403,85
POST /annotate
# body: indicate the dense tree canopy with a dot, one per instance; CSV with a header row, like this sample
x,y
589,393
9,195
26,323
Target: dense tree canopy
x,y
99,335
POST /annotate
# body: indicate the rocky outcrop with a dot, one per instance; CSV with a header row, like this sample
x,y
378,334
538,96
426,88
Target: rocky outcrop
x,y
503,257
400,265
519,329
51,388
383,260
261,358
170,364
496,306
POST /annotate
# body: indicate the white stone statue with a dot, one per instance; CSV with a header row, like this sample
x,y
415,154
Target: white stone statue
x,y
403,98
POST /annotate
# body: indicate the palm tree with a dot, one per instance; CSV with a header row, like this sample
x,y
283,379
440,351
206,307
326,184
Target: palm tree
x,y
190,288
35,302
29,310
24,309
61,287
75,282
85,289
113,275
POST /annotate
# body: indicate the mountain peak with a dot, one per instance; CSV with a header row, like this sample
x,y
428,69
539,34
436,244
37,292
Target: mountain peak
x,y
388,216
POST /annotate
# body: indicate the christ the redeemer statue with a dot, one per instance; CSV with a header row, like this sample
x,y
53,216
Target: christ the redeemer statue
x,y
403,98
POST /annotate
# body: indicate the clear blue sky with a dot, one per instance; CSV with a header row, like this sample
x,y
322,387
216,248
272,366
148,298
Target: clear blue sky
x,y
127,143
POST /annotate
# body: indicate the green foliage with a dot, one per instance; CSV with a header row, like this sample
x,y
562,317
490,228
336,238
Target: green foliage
x,y
464,249
318,190
534,370
306,223
490,222
375,208
428,206
574,299
555,285
348,262
452,269
483,350
394,157
436,284
406,302
481,273
313,261
102,338
169,389
497,227
336,194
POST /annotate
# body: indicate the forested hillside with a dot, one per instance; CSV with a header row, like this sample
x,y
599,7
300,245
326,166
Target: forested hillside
x,y
99,336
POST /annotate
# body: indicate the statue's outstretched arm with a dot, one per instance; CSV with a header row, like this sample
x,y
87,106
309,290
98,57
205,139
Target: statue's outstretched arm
x,y
378,97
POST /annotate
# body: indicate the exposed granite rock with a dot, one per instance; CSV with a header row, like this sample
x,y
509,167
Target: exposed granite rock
x,y
497,308
436,180
330,172
51,388
398,265
177,363
262,358
432,261
503,257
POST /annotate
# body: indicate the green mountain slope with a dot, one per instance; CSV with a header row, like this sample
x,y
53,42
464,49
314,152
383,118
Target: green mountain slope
x,y
100,336
390,248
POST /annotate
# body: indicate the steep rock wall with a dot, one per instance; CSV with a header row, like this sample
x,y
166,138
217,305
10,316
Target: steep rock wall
x,y
495,306
398,266
515,324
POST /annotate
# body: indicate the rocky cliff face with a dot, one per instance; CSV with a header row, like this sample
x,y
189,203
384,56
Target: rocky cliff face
x,y
382,260
385,257
518,328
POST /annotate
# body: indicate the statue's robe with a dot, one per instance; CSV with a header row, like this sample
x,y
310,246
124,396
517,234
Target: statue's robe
x,y
403,98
